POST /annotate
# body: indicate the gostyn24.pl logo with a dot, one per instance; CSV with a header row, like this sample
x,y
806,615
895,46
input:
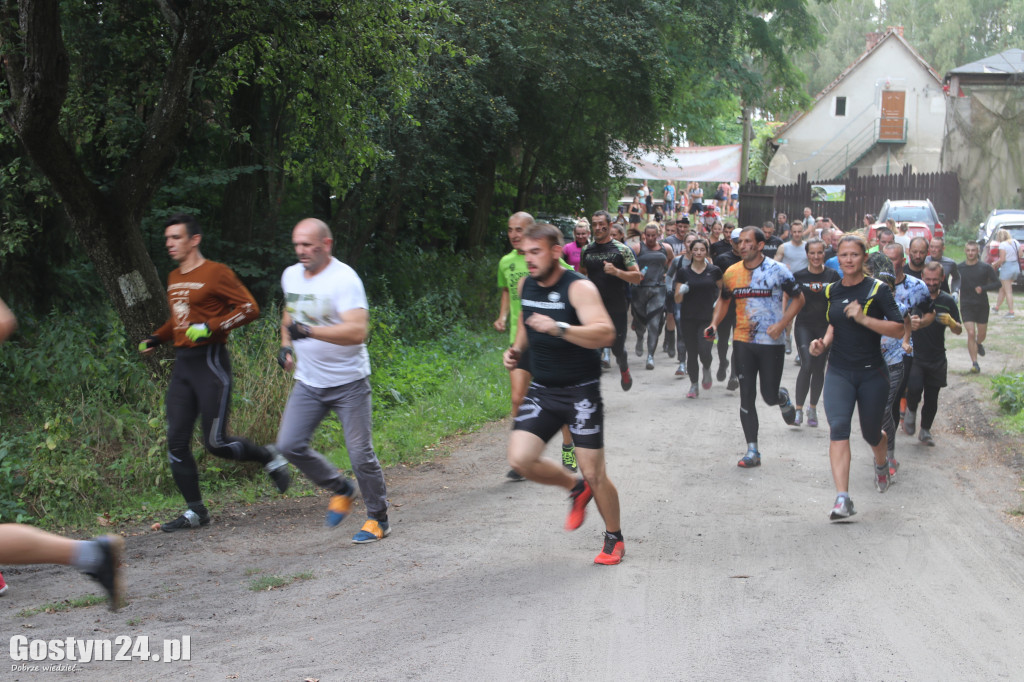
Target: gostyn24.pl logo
x,y
73,650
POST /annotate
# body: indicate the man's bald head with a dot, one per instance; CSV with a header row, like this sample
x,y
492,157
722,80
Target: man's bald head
x,y
319,227
313,242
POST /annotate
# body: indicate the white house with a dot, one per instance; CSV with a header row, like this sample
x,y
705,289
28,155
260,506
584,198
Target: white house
x,y
886,110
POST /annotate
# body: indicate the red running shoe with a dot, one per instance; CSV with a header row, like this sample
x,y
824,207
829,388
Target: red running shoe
x,y
579,499
614,550
3,585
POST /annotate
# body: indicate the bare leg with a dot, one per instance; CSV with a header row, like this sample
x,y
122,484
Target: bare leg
x,y
972,341
21,544
606,497
1007,291
525,455
839,457
982,332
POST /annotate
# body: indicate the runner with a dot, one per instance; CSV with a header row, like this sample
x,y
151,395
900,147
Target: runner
x,y
581,235
611,266
682,259
563,322
757,285
512,269
860,310
916,255
674,241
913,302
771,242
207,301
648,297
951,274
326,317
724,261
976,278
1007,265
697,286
928,373
811,324
793,255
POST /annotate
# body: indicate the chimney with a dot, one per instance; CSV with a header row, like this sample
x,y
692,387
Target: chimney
x,y
898,29
873,39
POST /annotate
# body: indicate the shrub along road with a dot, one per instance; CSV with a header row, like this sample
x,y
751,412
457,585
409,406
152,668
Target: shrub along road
x,y
729,574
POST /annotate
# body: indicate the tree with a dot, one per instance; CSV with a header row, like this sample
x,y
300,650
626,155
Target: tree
x,y
104,97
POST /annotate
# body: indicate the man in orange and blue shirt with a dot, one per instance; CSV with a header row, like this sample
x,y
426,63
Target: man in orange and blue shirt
x,y
757,284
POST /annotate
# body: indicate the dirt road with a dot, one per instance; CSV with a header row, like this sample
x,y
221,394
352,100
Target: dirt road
x,y
729,574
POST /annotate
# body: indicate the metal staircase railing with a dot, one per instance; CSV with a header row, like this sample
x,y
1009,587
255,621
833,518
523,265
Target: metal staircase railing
x,y
856,149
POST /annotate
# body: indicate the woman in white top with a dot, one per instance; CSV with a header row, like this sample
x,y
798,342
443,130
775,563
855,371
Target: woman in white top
x,y
1008,266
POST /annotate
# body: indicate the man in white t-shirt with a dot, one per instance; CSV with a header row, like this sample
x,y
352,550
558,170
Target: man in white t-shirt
x,y
326,317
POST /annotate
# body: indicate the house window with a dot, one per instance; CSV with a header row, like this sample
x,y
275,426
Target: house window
x,y
840,106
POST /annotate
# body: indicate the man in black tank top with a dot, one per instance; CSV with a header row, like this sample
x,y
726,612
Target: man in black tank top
x,y
564,324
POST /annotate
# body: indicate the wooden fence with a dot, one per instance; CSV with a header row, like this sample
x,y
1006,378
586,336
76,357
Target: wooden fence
x,y
866,194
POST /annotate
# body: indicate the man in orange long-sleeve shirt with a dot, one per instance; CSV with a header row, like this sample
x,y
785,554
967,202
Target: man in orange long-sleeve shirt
x,y
207,301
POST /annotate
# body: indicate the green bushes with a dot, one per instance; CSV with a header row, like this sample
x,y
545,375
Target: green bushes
x,y
1008,390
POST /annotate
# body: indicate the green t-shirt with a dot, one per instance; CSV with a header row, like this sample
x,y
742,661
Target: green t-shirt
x,y
511,269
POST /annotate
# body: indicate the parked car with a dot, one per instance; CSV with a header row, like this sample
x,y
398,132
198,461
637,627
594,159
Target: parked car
x,y
912,211
914,229
1002,219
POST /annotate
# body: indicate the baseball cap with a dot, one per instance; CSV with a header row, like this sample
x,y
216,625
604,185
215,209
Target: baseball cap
x,y
735,234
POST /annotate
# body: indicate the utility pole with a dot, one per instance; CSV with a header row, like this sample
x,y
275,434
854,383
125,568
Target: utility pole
x,y
745,156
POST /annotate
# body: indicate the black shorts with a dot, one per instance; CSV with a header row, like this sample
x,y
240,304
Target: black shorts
x,y
546,408
928,374
974,312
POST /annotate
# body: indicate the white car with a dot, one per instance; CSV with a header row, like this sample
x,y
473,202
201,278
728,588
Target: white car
x,y
1002,219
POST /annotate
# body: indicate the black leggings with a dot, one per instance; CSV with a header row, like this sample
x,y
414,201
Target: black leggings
x,y
897,379
648,318
923,385
865,388
812,369
692,332
723,331
620,318
201,386
750,360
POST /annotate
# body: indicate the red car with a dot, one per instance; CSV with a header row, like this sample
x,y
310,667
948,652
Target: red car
x,y
913,230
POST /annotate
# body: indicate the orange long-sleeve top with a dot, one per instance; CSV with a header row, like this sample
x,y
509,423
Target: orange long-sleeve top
x,y
210,293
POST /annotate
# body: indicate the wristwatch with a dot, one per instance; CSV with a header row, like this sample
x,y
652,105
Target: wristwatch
x,y
562,327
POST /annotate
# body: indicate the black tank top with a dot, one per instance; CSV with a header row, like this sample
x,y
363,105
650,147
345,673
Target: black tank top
x,y
652,264
555,361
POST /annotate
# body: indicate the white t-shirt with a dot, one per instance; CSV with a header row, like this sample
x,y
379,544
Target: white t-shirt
x,y
319,301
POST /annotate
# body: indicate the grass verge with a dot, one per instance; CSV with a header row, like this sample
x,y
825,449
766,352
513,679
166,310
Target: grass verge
x,y
67,605
272,582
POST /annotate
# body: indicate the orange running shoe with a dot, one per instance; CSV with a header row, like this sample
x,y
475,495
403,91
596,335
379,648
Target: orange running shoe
x,y
579,498
614,550
337,509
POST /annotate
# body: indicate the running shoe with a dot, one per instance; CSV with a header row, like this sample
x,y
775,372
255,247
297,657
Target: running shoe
x,y
975,368
670,344
705,380
337,509
926,438
981,350
277,469
681,369
108,573
786,407
799,418
569,457
625,380
894,466
613,551
606,358
578,500
650,362
693,392
750,460
187,521
639,346
514,476
812,417
733,384
3,585
882,478
723,367
909,423
843,509
372,531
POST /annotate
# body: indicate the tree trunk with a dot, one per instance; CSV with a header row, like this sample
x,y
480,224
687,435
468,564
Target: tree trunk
x,y
483,197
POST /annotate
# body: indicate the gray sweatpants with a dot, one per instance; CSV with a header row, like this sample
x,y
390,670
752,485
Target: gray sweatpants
x,y
306,408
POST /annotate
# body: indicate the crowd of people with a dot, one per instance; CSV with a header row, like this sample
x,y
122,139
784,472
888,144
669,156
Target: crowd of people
x,y
868,319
